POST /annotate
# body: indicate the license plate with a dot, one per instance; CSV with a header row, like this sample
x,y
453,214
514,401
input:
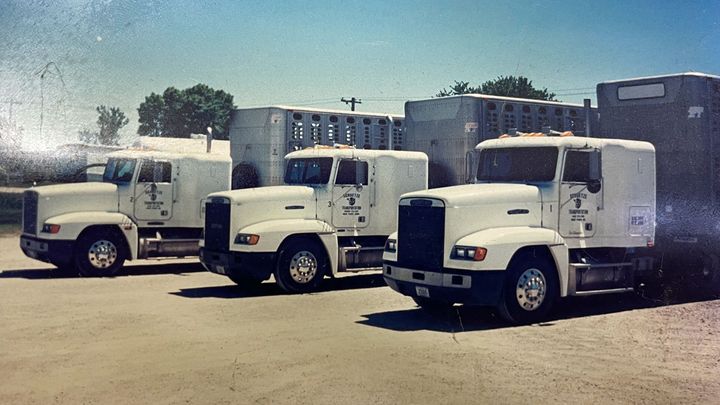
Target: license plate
x,y
220,269
422,292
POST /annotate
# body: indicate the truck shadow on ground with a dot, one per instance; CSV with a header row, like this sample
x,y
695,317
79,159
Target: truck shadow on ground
x,y
139,270
269,288
469,319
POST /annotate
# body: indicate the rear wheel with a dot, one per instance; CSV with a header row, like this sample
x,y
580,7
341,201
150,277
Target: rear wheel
x,y
301,265
531,288
100,252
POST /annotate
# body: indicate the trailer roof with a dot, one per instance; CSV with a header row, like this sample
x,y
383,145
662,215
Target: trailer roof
x,y
695,74
323,110
502,98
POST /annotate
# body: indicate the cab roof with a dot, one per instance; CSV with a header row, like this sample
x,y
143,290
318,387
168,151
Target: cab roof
x,y
161,155
564,142
348,152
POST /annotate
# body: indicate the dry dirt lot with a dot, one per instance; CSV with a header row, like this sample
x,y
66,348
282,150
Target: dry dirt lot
x,y
170,333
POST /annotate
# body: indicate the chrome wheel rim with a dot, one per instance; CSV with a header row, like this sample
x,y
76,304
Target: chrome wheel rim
x,y
102,254
531,289
303,267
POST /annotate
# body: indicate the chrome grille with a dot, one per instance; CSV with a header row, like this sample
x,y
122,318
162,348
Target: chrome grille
x,y
217,223
421,234
30,210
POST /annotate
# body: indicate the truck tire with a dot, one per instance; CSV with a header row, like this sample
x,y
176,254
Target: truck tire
x,y
530,290
301,265
99,253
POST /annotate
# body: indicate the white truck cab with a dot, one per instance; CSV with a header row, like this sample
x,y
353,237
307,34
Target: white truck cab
x,y
334,214
149,204
548,217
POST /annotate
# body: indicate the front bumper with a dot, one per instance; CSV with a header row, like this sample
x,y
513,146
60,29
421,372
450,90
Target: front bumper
x,y
481,288
57,252
258,266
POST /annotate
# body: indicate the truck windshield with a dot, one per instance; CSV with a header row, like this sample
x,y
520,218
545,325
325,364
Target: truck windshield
x,y
119,171
308,171
529,164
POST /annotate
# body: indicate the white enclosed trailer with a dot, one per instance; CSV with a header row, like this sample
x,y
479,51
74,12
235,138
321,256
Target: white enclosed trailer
x,y
448,128
261,137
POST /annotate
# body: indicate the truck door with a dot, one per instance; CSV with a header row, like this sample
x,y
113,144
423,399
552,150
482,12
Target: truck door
x,y
580,193
154,191
351,195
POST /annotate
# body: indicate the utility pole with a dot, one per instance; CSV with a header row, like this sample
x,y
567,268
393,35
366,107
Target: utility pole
x,y
352,102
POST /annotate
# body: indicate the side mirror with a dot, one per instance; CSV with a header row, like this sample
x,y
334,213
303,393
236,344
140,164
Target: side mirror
x,y
594,186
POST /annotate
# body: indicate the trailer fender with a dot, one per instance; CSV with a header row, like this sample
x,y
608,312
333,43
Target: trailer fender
x,y
74,223
503,243
273,233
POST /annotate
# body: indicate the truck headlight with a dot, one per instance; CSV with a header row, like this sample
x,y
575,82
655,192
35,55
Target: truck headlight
x,y
51,228
469,253
391,245
247,239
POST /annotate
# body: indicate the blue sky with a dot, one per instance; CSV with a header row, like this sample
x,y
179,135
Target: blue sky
x,y
311,53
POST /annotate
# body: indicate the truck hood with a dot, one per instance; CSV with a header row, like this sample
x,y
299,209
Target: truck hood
x,y
254,205
75,197
268,194
481,194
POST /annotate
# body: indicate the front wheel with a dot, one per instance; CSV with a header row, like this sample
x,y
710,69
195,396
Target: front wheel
x,y
530,290
301,266
100,253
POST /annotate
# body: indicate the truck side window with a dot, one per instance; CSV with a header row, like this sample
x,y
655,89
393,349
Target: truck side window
x,y
119,170
352,172
308,171
155,172
579,167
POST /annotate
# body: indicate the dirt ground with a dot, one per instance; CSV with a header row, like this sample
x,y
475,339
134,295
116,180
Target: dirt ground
x,y
167,332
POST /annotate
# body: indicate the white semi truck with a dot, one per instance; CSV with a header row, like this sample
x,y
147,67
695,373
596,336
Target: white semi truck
x,y
333,214
548,217
149,204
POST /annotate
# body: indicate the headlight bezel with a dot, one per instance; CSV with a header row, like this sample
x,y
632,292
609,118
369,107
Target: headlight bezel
x,y
249,239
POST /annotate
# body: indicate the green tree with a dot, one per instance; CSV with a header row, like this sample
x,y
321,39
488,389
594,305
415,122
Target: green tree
x,y
458,88
151,115
109,122
179,113
509,86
